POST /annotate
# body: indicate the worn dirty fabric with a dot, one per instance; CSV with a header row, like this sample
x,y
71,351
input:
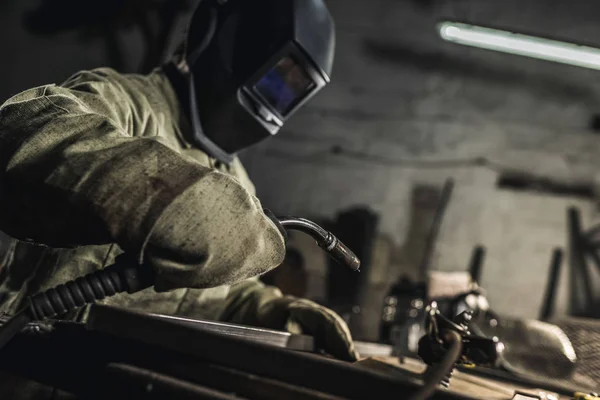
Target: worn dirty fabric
x,y
100,165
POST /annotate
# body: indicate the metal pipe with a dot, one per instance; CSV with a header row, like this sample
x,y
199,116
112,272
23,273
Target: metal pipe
x,y
554,274
434,230
476,265
578,266
325,239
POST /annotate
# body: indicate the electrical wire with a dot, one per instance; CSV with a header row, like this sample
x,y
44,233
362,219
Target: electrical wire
x,y
440,371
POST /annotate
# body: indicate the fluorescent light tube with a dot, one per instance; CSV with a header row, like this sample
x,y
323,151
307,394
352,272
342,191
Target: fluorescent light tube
x,y
522,45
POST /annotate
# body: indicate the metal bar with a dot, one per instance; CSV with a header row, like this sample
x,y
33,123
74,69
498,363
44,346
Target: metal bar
x,y
591,251
577,264
476,264
435,227
552,285
275,338
267,336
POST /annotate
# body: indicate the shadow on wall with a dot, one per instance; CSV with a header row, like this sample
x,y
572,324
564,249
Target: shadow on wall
x,y
506,75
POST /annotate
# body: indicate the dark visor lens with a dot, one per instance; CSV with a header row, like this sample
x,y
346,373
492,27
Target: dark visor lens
x,y
285,85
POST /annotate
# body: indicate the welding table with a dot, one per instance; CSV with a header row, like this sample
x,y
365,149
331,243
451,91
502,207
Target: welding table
x,y
124,354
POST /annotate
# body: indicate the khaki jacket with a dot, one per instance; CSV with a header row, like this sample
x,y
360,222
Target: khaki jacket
x,y
100,165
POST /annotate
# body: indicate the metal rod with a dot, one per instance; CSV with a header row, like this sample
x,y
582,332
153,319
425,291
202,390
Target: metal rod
x,y
477,259
435,227
548,304
578,265
591,251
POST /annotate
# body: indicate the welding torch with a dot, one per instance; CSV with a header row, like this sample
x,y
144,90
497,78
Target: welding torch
x,y
326,240
126,275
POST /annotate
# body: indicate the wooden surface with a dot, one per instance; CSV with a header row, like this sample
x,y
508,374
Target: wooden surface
x,y
462,383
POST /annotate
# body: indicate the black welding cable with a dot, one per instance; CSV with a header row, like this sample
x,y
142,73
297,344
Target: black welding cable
x,y
125,275
440,371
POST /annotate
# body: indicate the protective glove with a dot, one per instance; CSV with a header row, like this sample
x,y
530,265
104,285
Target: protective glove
x,y
302,316
277,224
253,303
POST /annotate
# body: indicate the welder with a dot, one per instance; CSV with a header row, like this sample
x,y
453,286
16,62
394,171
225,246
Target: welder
x,y
107,163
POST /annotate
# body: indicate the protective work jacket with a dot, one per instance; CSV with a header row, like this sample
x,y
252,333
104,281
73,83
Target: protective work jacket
x,y
103,164
100,165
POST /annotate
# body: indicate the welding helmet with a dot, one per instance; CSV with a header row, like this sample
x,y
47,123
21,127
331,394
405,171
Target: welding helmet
x,y
253,64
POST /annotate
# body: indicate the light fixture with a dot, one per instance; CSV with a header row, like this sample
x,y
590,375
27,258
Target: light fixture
x,y
523,45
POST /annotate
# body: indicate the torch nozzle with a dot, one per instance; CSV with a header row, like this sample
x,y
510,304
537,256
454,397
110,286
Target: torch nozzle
x,y
325,239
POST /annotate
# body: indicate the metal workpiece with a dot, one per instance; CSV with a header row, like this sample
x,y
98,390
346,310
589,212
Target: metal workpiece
x,y
261,335
325,239
271,337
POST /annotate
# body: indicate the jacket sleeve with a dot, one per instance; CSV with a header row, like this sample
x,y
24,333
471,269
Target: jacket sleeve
x,y
253,303
70,175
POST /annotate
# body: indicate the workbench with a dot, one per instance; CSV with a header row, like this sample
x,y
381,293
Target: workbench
x,y
125,354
